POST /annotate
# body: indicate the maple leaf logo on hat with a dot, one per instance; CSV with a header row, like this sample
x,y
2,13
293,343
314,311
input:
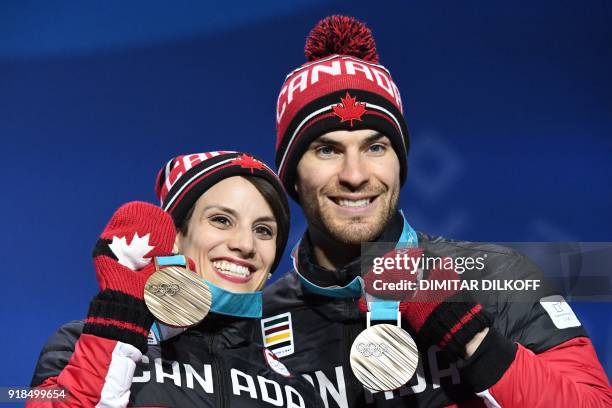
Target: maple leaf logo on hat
x,y
248,162
349,109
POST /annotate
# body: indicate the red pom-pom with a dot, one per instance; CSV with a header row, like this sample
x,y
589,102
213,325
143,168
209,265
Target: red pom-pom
x,y
341,35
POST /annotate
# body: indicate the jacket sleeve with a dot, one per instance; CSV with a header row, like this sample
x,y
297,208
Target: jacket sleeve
x,y
567,375
536,354
98,373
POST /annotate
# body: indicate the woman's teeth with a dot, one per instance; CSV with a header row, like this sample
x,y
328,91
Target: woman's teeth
x,y
230,268
354,203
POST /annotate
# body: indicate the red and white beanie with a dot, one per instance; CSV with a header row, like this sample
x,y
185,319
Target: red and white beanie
x,y
342,87
185,178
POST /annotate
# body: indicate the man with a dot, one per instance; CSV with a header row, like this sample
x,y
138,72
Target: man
x,y
341,152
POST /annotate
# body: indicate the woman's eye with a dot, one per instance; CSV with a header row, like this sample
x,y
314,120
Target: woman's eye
x,y
264,231
221,221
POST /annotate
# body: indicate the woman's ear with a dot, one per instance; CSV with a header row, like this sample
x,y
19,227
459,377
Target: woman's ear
x,y
176,248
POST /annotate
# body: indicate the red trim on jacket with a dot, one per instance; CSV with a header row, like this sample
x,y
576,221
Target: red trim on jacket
x,y
84,375
567,375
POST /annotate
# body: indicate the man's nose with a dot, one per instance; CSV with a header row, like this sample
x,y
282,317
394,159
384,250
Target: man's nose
x,y
354,172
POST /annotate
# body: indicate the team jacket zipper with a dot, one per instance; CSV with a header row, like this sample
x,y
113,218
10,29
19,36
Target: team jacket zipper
x,y
217,364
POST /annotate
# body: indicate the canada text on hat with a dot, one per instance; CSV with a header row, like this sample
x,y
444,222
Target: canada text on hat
x,y
342,87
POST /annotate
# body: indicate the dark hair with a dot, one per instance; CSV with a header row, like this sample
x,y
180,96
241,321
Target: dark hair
x,y
277,203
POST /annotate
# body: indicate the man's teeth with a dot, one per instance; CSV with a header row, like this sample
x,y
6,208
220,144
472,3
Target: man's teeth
x,y
230,268
354,203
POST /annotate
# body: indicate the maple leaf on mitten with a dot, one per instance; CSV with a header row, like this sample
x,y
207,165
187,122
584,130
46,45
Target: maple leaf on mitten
x,y
123,255
132,254
136,233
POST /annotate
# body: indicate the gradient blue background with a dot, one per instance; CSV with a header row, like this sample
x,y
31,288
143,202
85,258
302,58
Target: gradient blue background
x,y
509,107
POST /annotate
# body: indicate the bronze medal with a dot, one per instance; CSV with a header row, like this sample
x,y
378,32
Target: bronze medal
x,y
384,357
177,296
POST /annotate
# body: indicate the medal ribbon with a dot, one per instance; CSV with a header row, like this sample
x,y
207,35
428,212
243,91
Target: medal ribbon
x,y
388,309
224,302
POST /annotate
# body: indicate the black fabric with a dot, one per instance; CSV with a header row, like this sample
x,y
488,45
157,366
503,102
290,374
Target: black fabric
x,y
56,352
102,248
324,328
445,316
490,361
115,305
177,372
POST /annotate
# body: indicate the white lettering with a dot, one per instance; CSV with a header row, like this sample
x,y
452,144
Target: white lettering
x,y
309,379
333,70
280,111
436,372
237,387
297,83
352,67
290,392
326,386
398,99
206,383
383,81
265,396
192,160
160,375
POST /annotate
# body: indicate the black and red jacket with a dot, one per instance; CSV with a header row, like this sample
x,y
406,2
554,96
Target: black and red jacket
x,y
214,364
526,360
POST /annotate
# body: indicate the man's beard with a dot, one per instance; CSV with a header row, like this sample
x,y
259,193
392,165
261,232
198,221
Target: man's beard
x,y
350,231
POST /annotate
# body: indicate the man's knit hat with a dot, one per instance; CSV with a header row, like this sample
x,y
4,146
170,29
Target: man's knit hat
x,y
185,178
342,87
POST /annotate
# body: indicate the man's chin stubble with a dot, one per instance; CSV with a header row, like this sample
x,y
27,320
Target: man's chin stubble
x,y
355,231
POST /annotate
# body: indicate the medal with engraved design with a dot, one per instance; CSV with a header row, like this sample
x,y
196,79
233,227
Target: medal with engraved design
x,y
177,296
384,357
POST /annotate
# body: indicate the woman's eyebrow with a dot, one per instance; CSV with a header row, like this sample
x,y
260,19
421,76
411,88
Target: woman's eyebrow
x,y
220,207
267,218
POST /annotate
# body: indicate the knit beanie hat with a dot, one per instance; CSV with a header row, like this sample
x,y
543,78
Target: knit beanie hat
x,y
342,87
185,178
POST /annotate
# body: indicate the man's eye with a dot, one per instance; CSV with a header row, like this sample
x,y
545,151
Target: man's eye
x,y
325,151
377,148
221,221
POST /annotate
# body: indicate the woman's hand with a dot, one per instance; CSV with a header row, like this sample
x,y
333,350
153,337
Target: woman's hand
x,y
135,234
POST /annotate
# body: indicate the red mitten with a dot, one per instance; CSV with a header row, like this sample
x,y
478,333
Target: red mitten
x,y
123,255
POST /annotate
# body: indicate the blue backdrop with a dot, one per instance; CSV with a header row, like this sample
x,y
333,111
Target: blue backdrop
x,y
510,111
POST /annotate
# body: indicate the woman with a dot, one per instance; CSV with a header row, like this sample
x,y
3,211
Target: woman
x,y
230,216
